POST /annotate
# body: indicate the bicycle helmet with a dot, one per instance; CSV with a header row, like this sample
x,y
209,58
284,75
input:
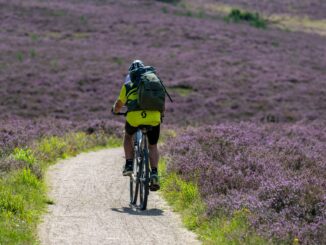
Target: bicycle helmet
x,y
136,64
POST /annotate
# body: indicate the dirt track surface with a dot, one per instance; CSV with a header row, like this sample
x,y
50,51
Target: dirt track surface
x,y
92,206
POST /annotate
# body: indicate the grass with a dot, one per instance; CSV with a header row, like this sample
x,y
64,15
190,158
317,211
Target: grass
x,y
23,192
221,228
182,90
298,23
80,35
285,22
25,155
230,14
22,200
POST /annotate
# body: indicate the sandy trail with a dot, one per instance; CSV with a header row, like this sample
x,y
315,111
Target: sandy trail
x,y
92,206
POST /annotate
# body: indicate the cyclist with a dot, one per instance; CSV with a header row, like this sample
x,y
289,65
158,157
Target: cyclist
x,y
133,120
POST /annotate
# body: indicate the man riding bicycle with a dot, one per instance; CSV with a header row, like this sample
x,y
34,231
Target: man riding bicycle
x,y
134,119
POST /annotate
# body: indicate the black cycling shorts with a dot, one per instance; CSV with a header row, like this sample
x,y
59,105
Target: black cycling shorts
x,y
152,135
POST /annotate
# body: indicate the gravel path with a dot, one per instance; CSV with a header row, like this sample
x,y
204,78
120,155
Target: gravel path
x,y
92,206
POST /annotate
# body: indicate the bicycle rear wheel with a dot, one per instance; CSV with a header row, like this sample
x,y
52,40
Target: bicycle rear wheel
x,y
144,181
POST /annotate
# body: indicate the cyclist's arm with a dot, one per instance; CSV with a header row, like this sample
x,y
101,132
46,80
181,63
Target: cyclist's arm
x,y
117,106
121,101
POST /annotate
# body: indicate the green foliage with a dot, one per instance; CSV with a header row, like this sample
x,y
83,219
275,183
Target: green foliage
x,y
34,37
10,203
20,56
183,91
23,194
32,53
118,60
83,19
219,229
164,10
167,134
200,14
235,229
25,155
253,19
21,201
52,148
114,142
27,178
170,1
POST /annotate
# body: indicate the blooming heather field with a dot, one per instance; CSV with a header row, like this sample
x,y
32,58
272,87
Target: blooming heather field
x,y
278,172
62,64
67,59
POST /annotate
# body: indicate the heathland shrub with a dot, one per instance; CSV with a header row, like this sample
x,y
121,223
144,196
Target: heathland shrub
x,y
277,172
169,1
253,19
221,228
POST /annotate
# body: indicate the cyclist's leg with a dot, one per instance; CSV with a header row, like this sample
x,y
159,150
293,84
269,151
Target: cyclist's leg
x,y
153,137
128,148
153,156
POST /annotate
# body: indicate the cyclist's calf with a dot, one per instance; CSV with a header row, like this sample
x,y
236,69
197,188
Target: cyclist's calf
x,y
153,155
128,146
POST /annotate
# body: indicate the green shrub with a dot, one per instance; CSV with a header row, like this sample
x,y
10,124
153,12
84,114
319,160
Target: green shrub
x,y
253,19
170,1
20,56
27,178
10,203
49,149
25,155
32,53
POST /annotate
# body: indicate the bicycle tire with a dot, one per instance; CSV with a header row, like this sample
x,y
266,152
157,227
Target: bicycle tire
x,y
144,180
134,185
135,176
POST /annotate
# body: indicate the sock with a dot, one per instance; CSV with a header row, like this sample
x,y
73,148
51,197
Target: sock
x,y
154,170
129,161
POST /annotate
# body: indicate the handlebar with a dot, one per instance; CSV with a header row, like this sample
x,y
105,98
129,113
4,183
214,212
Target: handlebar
x,y
118,113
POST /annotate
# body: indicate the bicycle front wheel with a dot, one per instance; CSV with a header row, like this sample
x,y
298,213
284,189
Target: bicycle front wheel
x,y
135,178
144,181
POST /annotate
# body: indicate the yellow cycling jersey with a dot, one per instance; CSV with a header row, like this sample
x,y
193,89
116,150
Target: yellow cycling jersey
x,y
142,117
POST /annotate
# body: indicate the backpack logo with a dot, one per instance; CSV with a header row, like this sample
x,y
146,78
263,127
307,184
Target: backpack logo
x,y
143,114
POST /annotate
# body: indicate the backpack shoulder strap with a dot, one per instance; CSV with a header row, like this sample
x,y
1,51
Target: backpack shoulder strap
x,y
165,89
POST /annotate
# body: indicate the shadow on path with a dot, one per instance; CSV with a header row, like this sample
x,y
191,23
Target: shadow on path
x,y
135,211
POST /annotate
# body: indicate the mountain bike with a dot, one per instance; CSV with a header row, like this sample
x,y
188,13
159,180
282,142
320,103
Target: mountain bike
x,y
140,178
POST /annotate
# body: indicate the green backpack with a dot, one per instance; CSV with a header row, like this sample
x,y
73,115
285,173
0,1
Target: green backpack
x,y
150,89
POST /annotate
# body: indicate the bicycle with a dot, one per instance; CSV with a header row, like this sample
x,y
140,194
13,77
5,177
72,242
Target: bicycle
x,y
140,178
